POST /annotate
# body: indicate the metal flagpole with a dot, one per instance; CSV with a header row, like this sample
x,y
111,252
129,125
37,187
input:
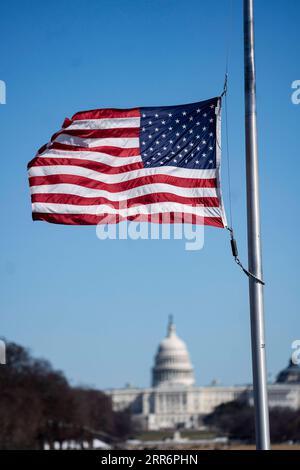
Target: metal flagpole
x,y
254,242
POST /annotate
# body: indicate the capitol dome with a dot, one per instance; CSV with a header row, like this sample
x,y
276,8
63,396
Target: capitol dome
x,y
172,363
289,375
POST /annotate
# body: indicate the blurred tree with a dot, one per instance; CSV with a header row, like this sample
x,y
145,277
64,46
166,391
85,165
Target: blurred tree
x,y
38,405
236,420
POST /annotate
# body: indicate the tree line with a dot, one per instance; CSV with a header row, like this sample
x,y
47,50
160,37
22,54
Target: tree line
x,y
236,420
39,406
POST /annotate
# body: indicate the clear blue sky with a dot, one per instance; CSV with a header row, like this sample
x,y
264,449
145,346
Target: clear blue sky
x,y
97,309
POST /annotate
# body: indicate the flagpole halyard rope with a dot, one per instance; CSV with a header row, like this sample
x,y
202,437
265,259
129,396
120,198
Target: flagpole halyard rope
x,y
235,254
233,243
225,85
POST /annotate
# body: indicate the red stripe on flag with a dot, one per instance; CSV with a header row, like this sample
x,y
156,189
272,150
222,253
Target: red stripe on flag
x,y
86,219
153,198
106,113
88,164
99,133
114,151
125,185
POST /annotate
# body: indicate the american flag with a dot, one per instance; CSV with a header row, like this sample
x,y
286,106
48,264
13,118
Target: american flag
x,y
154,164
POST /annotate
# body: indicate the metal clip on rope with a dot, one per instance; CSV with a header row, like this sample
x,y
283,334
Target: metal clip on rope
x,y
235,254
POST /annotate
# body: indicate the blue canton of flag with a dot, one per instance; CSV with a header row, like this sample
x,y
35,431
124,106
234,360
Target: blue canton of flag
x,y
182,136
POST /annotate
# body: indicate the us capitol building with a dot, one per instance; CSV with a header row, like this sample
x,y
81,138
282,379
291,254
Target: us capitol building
x,y
174,401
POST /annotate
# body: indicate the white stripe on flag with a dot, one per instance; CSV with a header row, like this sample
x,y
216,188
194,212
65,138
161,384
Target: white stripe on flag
x,y
92,156
117,123
122,142
140,209
76,190
120,177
